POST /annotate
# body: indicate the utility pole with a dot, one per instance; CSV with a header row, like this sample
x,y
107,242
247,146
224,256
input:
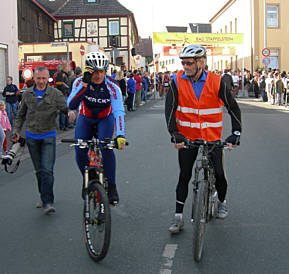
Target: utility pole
x,y
68,61
265,28
265,25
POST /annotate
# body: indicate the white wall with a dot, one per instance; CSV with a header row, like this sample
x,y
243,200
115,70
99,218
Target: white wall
x,y
240,10
9,37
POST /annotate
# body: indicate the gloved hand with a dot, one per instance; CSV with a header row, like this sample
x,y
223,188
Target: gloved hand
x,y
233,139
178,138
120,142
87,73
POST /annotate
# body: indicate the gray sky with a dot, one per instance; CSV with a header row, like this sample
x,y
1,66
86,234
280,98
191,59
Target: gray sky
x,y
155,15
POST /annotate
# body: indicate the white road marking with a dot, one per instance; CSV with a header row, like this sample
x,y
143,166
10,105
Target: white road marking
x,y
168,258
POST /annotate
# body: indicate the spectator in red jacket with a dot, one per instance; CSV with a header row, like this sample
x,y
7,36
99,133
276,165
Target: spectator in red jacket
x,y
138,87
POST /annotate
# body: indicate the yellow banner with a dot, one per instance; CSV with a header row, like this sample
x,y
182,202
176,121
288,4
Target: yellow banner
x,y
198,38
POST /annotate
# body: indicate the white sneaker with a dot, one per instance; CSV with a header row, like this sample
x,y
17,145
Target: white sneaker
x,y
222,210
177,225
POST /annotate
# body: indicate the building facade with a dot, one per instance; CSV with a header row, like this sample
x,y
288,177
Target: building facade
x,y
264,24
106,23
35,24
8,43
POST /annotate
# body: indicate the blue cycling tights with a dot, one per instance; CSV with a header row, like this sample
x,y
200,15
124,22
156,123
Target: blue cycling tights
x,y
84,130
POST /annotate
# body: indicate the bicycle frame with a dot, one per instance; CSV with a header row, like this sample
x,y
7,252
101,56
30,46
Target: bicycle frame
x,y
204,163
95,164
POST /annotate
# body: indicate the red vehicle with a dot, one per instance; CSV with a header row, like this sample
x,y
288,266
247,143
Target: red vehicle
x,y
50,65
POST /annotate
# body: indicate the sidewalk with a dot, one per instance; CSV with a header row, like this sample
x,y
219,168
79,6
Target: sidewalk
x,y
259,103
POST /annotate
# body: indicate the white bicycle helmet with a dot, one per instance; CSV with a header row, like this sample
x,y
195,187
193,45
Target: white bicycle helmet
x,y
97,61
193,51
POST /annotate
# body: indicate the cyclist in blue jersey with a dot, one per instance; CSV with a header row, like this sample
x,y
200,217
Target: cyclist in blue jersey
x,y
99,100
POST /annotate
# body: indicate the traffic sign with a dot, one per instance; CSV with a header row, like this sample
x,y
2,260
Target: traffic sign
x,y
27,74
266,61
58,44
266,52
82,49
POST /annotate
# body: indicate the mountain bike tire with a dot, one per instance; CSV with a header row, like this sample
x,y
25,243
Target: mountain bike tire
x,y
97,222
199,215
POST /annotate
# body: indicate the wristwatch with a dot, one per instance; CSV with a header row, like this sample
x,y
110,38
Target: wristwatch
x,y
237,133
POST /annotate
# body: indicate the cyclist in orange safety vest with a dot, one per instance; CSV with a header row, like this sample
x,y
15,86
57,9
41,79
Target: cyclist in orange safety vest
x,y
194,110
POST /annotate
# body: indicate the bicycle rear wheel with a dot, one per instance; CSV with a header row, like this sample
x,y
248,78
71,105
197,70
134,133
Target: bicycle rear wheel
x,y
97,222
199,215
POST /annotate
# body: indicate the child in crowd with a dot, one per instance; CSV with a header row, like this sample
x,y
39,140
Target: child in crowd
x,y
2,136
5,124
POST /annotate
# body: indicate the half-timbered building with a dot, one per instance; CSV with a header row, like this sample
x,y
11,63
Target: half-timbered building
x,y
106,23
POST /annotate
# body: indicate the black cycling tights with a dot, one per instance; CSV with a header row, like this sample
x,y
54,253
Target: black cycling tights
x,y
187,158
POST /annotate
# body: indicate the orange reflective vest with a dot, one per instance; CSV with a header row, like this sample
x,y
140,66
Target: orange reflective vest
x,y
203,118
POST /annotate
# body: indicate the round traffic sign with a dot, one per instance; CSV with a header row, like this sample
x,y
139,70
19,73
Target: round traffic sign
x,y
266,61
27,74
266,52
82,49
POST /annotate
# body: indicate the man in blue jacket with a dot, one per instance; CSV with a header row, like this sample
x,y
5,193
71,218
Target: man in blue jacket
x,y
10,92
131,90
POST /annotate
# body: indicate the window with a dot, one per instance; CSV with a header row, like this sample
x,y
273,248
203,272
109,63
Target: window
x,y
113,27
236,25
39,21
50,28
274,59
272,16
23,10
68,29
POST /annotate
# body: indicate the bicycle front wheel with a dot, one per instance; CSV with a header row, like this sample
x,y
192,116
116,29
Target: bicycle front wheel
x,y
97,222
199,216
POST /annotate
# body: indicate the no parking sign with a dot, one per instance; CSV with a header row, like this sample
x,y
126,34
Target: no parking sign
x,y
266,61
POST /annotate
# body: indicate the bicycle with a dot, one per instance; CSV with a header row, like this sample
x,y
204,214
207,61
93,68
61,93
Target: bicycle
x,y
96,211
205,195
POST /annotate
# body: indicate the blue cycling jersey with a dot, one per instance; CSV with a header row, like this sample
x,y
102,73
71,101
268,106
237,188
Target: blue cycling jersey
x,y
98,101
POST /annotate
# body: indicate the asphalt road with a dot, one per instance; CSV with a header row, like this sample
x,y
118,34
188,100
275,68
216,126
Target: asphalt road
x,y
253,239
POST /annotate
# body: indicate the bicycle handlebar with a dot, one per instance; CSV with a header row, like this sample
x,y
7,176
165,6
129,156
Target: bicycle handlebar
x,y
198,143
79,142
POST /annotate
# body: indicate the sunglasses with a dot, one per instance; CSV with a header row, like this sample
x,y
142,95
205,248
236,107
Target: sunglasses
x,y
187,63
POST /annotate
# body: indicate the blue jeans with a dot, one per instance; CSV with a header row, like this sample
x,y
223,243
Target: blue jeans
x,y
279,98
83,130
144,94
11,109
63,120
42,153
2,138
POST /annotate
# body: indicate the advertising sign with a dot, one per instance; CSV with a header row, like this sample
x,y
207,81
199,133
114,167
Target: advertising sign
x,y
197,38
